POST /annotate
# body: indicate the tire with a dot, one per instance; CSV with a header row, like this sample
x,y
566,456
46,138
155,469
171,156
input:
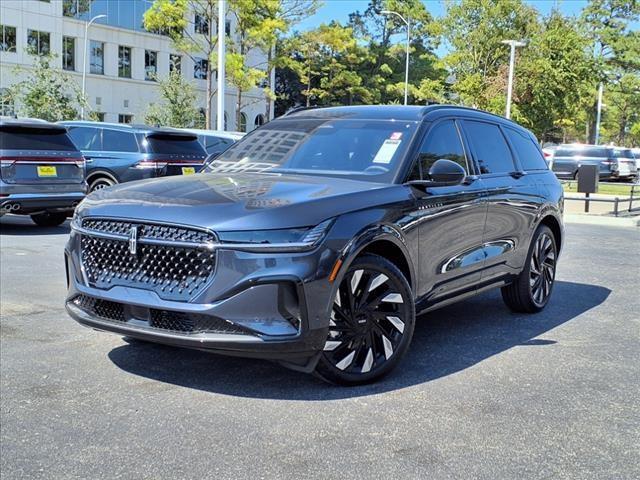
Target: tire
x,y
49,219
98,183
531,291
367,342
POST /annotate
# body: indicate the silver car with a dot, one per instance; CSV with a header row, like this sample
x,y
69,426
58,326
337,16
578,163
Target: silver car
x,y
614,163
42,173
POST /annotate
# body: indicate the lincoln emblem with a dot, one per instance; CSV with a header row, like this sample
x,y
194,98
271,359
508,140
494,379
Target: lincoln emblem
x,y
133,240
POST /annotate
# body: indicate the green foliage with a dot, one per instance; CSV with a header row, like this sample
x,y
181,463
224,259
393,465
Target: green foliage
x,y
46,92
178,105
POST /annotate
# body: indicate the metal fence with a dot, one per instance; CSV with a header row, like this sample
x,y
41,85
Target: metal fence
x,y
618,202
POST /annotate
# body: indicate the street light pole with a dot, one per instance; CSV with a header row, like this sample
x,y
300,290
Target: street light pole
x,y
599,112
221,64
407,22
84,62
512,60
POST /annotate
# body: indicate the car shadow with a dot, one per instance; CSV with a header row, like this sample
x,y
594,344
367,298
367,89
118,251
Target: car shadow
x,y
23,225
445,341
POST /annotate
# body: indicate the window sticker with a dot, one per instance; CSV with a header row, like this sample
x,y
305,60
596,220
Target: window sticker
x,y
387,150
396,136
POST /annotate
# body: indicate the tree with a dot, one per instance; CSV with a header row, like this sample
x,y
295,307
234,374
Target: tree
x,y
178,107
191,26
474,29
47,92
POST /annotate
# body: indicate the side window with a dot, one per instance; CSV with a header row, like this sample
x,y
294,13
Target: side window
x,y
527,151
115,141
489,147
442,141
85,138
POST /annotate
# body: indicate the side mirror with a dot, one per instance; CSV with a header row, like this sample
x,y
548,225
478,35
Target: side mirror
x,y
443,173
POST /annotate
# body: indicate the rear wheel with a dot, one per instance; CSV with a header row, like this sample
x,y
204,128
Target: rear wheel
x,y
532,289
99,183
49,219
371,324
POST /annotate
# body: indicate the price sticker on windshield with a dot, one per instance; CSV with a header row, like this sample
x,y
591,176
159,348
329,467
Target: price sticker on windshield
x,y
387,151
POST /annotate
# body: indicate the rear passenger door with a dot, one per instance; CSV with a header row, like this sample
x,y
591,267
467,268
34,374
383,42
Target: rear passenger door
x,y
513,199
450,219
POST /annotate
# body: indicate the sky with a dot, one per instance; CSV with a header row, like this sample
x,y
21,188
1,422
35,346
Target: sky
x,y
340,9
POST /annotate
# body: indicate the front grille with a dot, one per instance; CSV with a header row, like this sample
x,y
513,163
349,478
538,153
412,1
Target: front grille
x,y
165,320
148,231
174,272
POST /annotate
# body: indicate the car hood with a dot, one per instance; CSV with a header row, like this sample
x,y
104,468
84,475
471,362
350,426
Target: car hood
x,y
243,201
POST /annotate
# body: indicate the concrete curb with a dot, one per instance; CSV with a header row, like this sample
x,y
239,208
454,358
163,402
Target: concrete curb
x,y
602,220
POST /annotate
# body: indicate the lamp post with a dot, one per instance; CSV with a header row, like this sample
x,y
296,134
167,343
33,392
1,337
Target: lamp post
x,y
512,59
599,113
407,22
221,61
84,61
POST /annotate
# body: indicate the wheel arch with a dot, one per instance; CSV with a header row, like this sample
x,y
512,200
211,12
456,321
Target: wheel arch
x,y
554,225
101,173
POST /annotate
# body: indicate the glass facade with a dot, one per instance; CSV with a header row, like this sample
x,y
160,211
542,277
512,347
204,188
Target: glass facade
x,y
7,38
124,62
69,53
39,42
96,57
120,13
150,65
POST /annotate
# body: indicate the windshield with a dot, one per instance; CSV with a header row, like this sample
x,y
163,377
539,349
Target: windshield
x,y
370,150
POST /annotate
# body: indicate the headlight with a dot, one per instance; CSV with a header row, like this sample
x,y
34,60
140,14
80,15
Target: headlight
x,y
286,240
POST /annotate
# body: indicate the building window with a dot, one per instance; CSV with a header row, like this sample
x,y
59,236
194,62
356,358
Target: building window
x,y
96,57
259,120
99,116
124,62
227,28
8,39
69,53
150,65
125,118
201,25
75,8
200,69
175,63
243,123
38,42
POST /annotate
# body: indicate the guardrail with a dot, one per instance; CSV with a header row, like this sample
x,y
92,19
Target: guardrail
x,y
634,195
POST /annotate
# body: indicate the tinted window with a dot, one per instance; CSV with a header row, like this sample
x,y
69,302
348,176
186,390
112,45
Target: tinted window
x,y
16,138
527,151
115,141
173,144
597,152
622,154
489,147
442,141
86,138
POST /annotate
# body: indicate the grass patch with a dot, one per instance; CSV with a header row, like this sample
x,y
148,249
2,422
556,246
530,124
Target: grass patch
x,y
607,189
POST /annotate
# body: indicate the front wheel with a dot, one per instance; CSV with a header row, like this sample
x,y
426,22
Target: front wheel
x,y
49,219
530,292
371,324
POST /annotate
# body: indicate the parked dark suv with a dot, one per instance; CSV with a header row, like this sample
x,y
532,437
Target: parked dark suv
x,y
316,239
41,171
613,163
118,153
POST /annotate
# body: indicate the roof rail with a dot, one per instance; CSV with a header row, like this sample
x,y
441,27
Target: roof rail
x,y
300,109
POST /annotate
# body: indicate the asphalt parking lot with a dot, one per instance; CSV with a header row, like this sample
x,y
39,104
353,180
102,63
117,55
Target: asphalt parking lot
x,y
483,393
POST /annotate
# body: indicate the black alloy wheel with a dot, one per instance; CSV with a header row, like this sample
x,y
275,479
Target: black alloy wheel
x,y
530,292
371,324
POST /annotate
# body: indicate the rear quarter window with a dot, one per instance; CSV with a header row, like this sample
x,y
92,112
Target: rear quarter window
x,y
527,151
17,138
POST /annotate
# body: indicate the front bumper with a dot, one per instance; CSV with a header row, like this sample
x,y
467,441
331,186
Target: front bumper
x,y
28,203
275,305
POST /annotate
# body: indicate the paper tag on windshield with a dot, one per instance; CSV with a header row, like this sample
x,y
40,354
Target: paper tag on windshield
x,y
387,150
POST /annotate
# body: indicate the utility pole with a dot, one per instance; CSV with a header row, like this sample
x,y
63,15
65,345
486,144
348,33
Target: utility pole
x,y
222,35
84,62
512,59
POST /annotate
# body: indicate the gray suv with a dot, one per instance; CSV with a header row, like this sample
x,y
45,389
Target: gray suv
x,y
613,163
41,171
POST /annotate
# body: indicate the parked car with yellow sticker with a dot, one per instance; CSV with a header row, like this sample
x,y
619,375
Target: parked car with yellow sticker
x,y
41,171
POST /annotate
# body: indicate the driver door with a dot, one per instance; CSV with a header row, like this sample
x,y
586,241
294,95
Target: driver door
x,y
450,219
